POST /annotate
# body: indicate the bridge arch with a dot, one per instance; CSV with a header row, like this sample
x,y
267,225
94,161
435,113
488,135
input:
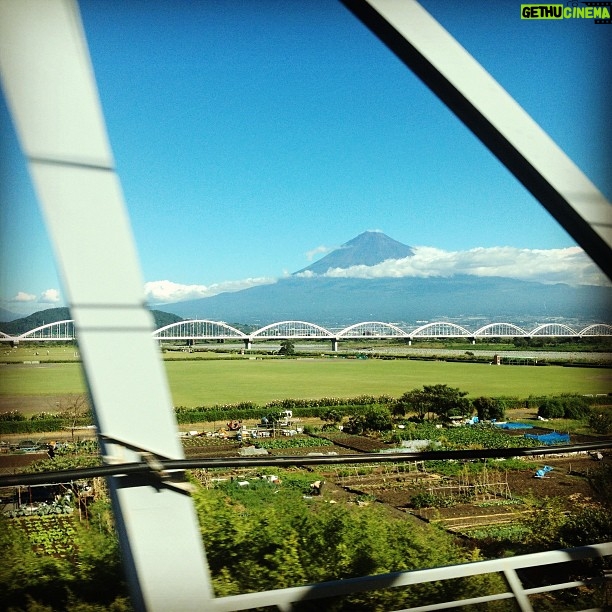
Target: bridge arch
x,y
372,329
553,329
8,338
198,329
217,330
441,329
292,329
59,330
500,329
597,329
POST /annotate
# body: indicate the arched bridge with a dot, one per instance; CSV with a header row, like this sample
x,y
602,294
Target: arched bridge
x,y
201,329
198,330
60,331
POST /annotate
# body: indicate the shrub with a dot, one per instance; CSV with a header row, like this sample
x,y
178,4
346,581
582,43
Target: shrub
x,y
576,407
12,415
588,525
544,521
551,409
564,406
423,500
600,421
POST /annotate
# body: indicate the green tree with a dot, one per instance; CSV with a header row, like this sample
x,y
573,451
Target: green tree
x,y
375,418
441,400
286,348
575,407
488,408
332,418
76,410
447,401
412,401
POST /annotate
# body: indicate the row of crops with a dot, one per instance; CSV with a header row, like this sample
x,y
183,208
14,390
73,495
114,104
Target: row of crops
x,y
454,438
480,436
293,442
52,534
61,506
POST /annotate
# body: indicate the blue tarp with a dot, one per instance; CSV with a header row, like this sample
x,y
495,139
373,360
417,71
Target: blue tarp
x,y
541,473
514,426
550,438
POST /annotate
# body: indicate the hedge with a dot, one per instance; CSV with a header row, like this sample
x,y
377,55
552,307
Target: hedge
x,y
236,412
36,426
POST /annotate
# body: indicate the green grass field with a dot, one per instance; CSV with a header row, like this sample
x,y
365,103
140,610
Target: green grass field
x,y
211,382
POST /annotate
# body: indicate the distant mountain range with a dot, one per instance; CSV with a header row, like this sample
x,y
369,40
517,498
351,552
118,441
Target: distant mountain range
x,y
349,300
52,315
7,315
306,295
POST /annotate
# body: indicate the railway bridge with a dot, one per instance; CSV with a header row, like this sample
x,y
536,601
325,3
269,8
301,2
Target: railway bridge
x,y
194,330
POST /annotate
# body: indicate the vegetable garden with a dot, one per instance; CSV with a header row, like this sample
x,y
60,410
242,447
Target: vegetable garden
x,y
50,534
265,528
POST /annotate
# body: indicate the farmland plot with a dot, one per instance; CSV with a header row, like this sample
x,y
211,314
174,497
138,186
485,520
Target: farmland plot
x,y
458,496
473,498
52,534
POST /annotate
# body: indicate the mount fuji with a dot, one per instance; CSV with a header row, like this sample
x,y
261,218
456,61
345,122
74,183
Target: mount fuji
x,y
367,249
312,294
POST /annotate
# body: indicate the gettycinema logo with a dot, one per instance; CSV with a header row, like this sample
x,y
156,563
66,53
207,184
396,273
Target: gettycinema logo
x,y
598,11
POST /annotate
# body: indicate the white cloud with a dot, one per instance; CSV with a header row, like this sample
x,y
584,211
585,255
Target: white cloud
x,y
22,296
320,250
569,265
26,303
306,274
50,296
166,292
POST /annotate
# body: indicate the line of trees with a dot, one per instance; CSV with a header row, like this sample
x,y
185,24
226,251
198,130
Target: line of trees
x,y
439,402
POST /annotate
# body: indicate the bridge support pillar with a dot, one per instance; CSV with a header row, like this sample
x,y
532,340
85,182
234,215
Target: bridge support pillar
x,y
334,345
409,341
473,340
248,344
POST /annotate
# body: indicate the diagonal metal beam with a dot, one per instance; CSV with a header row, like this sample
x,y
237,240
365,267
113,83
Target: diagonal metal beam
x,y
496,118
49,85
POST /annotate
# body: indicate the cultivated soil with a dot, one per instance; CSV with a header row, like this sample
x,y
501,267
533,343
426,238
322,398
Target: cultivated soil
x,y
496,499
496,492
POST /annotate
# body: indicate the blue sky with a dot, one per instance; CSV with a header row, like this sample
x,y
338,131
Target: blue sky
x,y
250,137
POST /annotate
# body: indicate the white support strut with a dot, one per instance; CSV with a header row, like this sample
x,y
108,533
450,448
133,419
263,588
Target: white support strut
x,y
50,88
496,118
